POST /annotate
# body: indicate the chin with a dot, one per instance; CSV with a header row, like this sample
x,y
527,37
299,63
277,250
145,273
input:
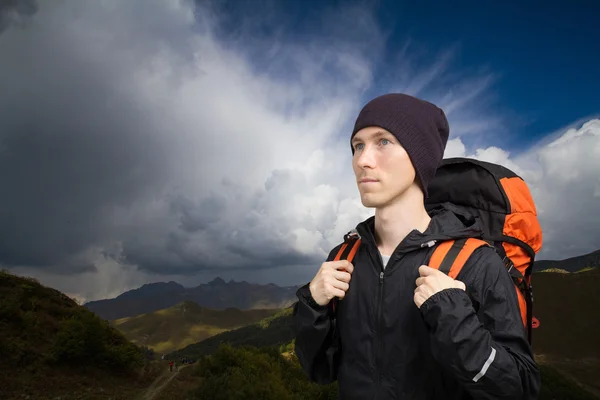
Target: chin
x,y
371,201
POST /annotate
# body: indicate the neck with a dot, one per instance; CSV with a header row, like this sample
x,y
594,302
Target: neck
x,y
396,220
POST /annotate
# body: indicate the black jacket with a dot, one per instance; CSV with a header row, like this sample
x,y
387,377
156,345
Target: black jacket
x,y
459,345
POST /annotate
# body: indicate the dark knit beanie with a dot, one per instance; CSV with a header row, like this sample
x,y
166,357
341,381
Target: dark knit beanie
x,y
420,127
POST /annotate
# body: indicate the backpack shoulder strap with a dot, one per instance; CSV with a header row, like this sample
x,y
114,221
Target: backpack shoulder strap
x,y
346,252
348,249
451,255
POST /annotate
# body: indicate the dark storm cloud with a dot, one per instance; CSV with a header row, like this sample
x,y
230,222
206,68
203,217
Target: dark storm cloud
x,y
66,166
227,231
198,216
135,138
15,12
73,148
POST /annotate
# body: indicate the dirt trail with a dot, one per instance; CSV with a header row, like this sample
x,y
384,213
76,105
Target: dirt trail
x,y
160,383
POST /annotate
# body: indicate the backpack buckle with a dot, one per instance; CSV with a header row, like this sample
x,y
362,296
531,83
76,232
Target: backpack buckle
x,y
353,234
508,263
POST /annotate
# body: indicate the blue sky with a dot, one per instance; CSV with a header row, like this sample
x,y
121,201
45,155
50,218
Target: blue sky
x,y
548,55
544,57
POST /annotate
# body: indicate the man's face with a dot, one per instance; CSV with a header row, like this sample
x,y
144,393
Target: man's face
x,y
382,167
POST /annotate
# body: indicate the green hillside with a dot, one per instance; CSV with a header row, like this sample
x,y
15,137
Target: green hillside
x,y
51,346
184,324
567,306
274,331
555,385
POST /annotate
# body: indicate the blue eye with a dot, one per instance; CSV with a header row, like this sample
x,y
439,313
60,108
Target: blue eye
x,y
384,140
357,146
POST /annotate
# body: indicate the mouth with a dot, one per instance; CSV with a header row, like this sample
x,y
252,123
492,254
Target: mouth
x,y
368,180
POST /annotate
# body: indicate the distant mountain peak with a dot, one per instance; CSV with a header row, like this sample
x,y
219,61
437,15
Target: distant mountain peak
x,y
217,281
170,284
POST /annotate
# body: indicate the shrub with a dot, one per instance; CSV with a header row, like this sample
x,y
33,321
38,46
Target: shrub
x,y
85,338
255,373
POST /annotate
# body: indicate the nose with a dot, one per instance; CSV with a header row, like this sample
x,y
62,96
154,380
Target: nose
x,y
365,157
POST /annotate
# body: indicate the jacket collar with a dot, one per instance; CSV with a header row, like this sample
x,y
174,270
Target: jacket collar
x,y
448,222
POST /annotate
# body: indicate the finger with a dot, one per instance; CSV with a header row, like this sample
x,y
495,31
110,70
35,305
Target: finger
x,y
419,300
418,296
332,283
339,293
425,270
341,265
347,265
340,285
342,276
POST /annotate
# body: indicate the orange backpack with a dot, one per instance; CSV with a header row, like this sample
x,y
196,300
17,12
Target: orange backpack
x,y
502,202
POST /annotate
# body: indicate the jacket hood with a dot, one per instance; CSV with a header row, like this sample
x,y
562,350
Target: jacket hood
x,y
448,222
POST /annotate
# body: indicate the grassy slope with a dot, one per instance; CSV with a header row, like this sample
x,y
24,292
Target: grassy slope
x,y
50,346
567,306
275,330
184,324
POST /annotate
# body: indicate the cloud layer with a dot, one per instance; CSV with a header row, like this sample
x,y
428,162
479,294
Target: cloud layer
x,y
563,177
154,146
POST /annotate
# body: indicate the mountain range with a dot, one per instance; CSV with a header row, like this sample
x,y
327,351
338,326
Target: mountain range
x,y
216,294
572,264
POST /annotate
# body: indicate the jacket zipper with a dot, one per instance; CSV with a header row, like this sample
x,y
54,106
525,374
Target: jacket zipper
x,y
379,319
379,328
379,324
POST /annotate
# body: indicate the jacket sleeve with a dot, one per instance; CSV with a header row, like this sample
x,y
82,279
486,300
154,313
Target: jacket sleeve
x,y
479,334
317,344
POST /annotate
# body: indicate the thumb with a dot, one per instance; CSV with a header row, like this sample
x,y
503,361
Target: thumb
x,y
460,285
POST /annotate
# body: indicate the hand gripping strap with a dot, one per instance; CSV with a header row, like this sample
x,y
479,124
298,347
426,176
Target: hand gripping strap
x,y
346,252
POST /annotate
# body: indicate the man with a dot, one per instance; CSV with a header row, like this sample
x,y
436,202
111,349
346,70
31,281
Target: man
x,y
405,330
